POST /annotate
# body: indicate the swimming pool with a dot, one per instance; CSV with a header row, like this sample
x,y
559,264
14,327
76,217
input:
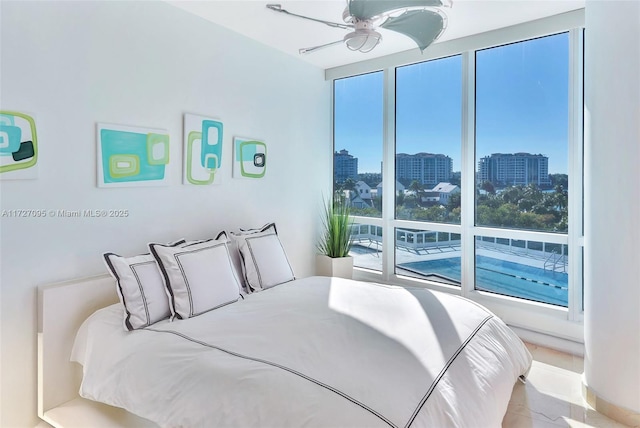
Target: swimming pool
x,y
502,277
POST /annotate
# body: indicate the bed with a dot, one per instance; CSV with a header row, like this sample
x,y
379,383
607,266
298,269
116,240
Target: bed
x,y
316,352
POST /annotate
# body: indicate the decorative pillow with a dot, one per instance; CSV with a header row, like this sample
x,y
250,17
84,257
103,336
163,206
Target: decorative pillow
x,y
236,260
264,261
140,288
198,277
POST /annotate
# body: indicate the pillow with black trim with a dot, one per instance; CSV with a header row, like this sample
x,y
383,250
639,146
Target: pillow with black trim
x,y
236,259
140,288
264,261
199,277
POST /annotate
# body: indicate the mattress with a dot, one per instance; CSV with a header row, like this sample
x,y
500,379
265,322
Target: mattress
x,y
314,352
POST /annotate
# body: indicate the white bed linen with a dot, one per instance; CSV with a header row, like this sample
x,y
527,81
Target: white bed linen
x,y
317,352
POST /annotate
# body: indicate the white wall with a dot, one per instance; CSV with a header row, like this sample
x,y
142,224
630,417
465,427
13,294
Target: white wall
x,y
73,64
612,224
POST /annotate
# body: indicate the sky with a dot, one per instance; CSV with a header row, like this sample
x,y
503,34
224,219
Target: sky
x,y
521,106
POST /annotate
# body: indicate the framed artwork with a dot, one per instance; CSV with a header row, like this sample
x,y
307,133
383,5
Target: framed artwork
x,y
202,150
18,146
249,158
131,156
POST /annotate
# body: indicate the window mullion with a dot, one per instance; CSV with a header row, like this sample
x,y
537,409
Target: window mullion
x,y
388,173
467,219
576,107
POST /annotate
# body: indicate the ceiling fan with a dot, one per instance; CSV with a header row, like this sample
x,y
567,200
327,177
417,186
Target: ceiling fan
x,y
421,20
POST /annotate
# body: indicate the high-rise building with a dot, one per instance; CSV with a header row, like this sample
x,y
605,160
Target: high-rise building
x,y
512,169
344,166
427,168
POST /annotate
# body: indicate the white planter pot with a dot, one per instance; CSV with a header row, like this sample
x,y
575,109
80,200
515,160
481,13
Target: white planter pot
x,y
341,267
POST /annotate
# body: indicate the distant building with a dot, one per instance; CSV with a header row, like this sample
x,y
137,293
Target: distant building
x,y
355,201
427,168
430,198
512,169
443,192
344,166
364,191
360,197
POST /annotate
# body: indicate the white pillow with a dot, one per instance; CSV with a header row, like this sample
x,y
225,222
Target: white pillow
x,y
140,288
198,277
265,262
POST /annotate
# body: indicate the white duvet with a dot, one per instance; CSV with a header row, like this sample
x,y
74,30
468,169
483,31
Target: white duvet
x,y
315,352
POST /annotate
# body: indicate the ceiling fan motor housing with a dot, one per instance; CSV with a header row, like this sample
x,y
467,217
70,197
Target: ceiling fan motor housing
x,y
364,39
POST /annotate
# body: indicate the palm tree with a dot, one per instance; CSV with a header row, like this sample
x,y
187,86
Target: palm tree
x,y
488,187
349,184
417,188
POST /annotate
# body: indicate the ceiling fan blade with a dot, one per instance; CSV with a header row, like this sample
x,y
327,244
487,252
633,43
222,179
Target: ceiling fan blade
x,y
278,8
315,48
423,26
366,9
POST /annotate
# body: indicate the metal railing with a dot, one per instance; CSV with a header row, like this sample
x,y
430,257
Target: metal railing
x,y
556,262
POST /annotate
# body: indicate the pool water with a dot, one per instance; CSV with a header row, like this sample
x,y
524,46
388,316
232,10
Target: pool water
x,y
503,277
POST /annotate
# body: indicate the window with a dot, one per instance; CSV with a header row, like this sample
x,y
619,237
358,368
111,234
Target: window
x,y
366,249
530,270
357,159
430,255
427,167
428,140
486,148
522,125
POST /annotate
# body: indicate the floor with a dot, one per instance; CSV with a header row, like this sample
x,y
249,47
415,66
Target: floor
x,y
552,396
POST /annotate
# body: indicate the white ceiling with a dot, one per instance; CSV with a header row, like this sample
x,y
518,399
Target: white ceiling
x,y
287,33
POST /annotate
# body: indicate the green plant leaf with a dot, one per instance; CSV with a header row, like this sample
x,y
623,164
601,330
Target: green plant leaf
x,y
337,223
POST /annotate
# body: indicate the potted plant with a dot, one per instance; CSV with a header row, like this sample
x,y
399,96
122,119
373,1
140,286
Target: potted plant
x,y
334,258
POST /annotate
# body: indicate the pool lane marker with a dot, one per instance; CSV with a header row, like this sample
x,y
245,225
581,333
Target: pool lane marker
x,y
526,279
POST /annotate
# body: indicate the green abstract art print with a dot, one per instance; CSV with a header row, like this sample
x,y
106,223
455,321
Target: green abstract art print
x,y
18,146
202,150
249,158
130,156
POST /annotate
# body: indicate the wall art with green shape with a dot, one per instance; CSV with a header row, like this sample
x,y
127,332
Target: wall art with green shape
x,y
202,150
131,156
250,158
18,146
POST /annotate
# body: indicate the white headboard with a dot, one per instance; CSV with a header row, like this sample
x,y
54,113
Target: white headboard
x,y
61,310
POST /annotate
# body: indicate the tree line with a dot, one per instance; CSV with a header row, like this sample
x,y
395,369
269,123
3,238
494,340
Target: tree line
x,y
520,207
